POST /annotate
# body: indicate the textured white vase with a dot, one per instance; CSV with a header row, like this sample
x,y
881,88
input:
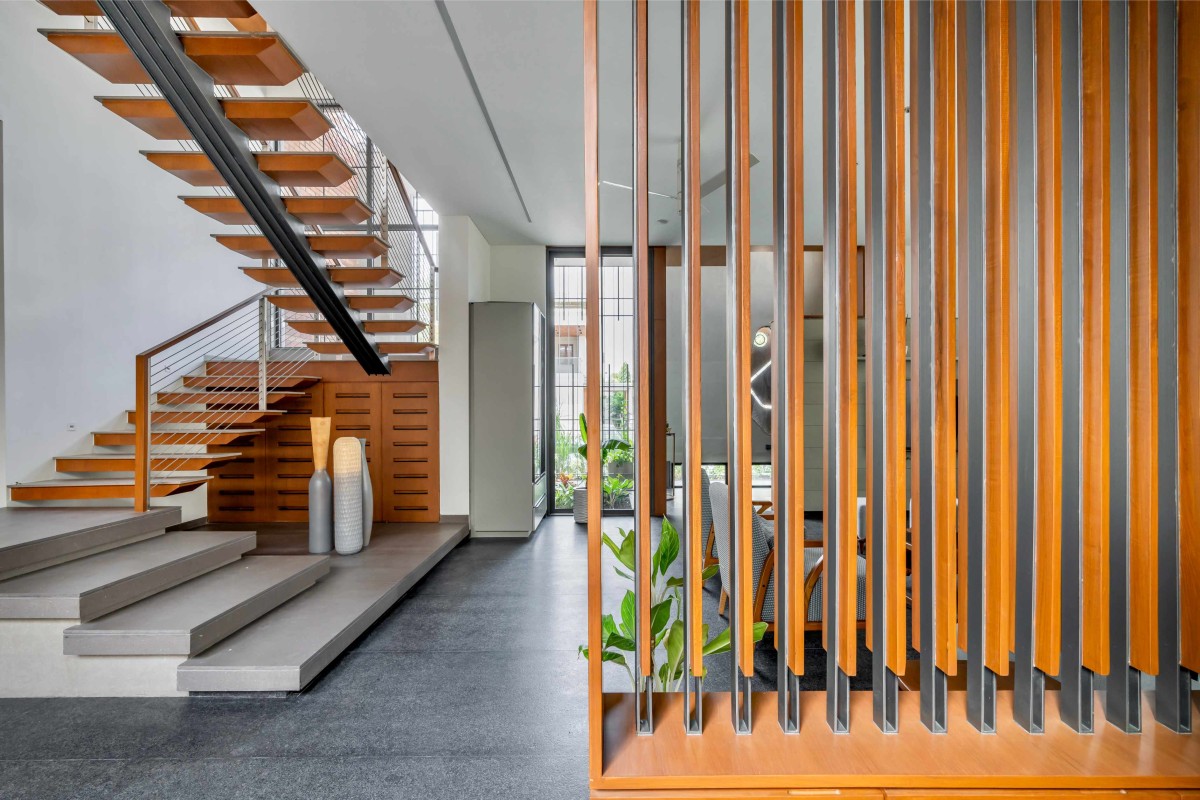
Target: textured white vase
x,y
368,494
348,467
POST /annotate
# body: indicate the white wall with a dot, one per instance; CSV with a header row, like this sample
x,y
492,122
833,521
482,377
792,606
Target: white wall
x,y
100,259
464,271
519,274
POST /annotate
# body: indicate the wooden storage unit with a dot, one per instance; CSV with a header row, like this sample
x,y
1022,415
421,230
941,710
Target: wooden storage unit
x,y
396,414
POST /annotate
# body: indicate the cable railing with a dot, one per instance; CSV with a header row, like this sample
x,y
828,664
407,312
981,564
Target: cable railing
x,y
215,379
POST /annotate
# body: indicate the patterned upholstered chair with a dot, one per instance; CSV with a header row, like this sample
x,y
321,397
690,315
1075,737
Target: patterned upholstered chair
x,y
763,563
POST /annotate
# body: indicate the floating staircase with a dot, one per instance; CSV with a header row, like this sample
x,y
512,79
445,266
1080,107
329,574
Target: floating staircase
x,y
109,602
208,408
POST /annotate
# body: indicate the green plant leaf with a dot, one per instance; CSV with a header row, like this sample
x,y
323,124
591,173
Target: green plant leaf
x,y
760,630
621,642
674,583
615,658
675,639
660,615
668,547
583,651
623,573
610,544
662,676
607,627
628,614
709,571
625,556
718,644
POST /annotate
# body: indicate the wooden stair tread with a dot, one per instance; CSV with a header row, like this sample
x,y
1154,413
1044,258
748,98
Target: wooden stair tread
x,y
387,348
203,9
395,303
358,277
333,210
231,58
224,397
320,326
268,118
319,170
213,436
90,587
215,416
344,245
249,381
101,488
192,617
124,462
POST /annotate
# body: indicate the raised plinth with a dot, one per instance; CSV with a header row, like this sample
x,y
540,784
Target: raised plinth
x,y
874,764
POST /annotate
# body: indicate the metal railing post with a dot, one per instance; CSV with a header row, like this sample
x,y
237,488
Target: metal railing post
x,y
264,348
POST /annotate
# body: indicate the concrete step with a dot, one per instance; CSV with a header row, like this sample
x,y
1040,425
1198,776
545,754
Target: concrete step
x,y
36,538
91,587
288,648
196,615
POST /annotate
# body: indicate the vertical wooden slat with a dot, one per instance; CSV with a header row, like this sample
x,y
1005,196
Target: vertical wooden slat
x,y
1049,498
738,191
962,55
945,290
893,492
641,313
1143,338
842,605
1188,259
591,202
1096,209
998,480
692,326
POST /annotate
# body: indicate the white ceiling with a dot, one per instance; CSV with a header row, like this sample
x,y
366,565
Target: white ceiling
x,y
392,65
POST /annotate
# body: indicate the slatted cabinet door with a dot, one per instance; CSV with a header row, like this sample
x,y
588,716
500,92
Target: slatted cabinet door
x,y
289,443
409,432
353,409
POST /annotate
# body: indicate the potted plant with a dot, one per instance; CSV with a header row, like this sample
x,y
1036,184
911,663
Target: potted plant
x,y
616,493
667,659
609,447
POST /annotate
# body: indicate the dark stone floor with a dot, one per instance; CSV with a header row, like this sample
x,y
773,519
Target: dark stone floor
x,y
469,687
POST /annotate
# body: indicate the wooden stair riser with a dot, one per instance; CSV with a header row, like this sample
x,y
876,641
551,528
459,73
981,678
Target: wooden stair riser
x,y
202,9
240,399
206,417
298,170
391,303
321,327
248,381
309,210
85,490
182,462
231,58
348,246
269,119
196,437
350,277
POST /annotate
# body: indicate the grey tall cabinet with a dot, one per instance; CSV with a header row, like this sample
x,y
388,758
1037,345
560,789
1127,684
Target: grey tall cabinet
x,y
509,480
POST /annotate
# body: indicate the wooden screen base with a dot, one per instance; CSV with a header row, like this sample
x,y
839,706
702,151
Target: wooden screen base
x,y
867,763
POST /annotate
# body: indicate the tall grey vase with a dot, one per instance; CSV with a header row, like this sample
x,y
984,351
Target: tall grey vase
x,y
320,512
368,496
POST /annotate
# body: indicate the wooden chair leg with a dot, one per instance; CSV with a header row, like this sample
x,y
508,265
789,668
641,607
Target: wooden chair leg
x,y
721,604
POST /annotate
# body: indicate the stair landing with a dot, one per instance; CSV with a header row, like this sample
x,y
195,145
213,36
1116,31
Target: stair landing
x,y
35,538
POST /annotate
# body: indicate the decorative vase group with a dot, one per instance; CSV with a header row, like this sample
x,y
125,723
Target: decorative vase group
x,y
340,510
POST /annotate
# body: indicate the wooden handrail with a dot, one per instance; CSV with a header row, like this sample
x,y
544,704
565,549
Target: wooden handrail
x,y
192,331
141,408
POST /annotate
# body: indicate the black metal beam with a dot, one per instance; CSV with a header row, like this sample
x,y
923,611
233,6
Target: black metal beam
x,y
146,29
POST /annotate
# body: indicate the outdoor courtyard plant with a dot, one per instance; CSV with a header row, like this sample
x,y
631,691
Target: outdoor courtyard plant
x,y
666,613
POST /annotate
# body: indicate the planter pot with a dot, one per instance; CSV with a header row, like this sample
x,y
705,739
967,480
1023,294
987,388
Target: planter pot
x,y
623,469
623,504
579,506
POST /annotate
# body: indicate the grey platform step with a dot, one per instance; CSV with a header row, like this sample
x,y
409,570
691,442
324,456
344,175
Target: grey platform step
x,y
289,647
35,538
90,587
196,615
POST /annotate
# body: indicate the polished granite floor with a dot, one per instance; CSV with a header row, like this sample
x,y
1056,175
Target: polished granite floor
x,y
469,687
